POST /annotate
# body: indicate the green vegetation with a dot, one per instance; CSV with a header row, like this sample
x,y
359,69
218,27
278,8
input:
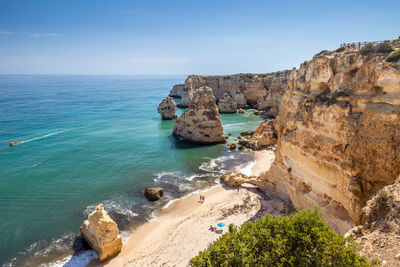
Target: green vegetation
x,y
385,47
301,239
322,52
367,49
393,57
382,202
340,49
396,42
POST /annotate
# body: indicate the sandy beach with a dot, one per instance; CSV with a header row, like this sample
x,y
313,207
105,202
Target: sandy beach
x,y
181,231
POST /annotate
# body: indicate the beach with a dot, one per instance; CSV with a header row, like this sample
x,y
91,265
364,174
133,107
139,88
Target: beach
x,y
181,230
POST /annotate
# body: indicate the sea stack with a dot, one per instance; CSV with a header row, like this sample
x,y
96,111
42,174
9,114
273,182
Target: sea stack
x,y
201,122
167,109
227,104
101,233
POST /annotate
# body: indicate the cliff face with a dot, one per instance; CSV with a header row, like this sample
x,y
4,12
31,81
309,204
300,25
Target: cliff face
x,y
338,134
245,89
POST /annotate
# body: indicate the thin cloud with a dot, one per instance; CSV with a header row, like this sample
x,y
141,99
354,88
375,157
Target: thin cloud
x,y
42,34
5,32
158,60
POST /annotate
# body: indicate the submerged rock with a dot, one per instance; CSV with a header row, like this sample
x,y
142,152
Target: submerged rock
x,y
167,109
201,122
227,104
101,233
153,193
232,146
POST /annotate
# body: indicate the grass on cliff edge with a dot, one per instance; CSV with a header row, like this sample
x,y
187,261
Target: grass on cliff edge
x,y
301,239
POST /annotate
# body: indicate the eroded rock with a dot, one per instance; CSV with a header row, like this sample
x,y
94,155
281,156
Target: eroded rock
x,y
227,104
101,233
201,122
167,109
153,193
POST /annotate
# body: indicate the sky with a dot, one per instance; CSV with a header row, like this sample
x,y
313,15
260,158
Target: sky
x,y
182,37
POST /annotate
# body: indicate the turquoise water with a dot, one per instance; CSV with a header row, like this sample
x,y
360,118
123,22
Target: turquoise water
x,y
98,139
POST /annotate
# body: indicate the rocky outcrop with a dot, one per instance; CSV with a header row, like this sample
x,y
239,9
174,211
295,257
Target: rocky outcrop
x,y
245,89
227,104
167,109
338,134
176,91
263,137
235,179
201,122
153,193
378,237
277,84
101,233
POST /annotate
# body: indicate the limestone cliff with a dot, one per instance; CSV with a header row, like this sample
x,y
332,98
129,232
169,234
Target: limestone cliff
x,y
338,134
201,122
245,89
176,91
101,233
227,104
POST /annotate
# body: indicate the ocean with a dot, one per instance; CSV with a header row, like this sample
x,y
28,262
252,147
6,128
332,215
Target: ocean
x,y
87,139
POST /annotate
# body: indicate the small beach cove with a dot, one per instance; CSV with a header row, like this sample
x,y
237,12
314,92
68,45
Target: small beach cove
x,y
181,230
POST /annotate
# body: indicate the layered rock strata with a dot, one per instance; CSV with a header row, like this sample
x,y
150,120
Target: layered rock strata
x,y
245,89
176,91
227,104
167,109
201,122
338,134
101,233
263,137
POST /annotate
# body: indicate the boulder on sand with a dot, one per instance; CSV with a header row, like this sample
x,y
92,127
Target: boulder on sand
x,y
101,233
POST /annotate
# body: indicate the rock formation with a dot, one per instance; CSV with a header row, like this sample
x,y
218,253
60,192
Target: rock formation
x,y
201,122
277,84
176,91
101,233
153,193
338,134
245,89
263,137
167,109
378,237
227,104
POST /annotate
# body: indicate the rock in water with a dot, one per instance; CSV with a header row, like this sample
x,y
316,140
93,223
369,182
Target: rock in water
x,y
153,193
227,104
101,233
167,109
201,122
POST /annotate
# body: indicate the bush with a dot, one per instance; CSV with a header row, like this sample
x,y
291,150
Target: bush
x,y
301,239
340,49
367,49
396,42
322,52
393,57
385,47
382,201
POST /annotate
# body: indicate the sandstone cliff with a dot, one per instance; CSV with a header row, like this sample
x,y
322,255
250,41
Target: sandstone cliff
x,y
338,134
101,233
201,122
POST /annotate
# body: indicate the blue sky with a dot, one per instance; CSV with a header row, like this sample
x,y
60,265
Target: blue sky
x,y
182,37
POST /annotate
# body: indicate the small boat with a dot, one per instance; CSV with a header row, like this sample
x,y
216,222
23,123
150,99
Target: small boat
x,y
14,143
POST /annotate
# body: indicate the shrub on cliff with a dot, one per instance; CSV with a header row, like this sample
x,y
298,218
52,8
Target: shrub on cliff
x,y
367,49
340,49
385,47
301,239
393,57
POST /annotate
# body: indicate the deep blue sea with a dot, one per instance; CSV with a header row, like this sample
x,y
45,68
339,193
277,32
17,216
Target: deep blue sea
x,y
97,139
